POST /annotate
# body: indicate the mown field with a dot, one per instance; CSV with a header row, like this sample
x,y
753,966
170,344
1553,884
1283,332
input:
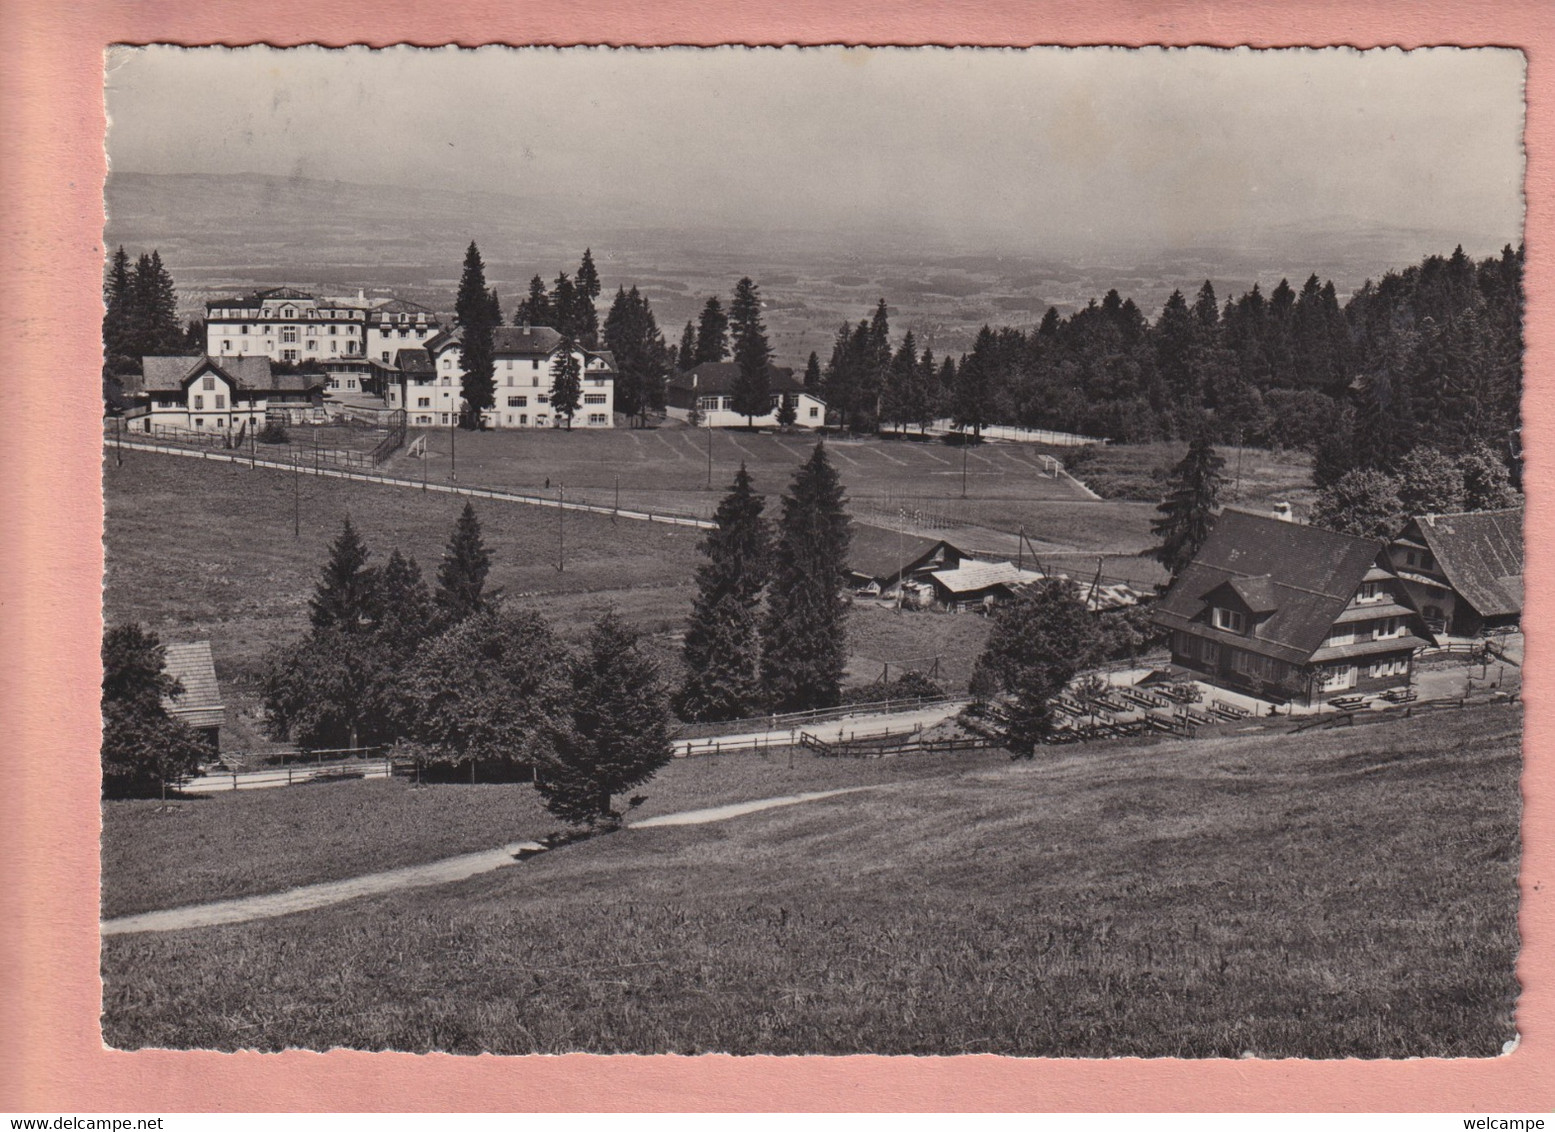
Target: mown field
x,y
212,847
1340,893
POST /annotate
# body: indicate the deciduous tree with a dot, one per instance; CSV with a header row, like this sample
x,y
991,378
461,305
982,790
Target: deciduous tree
x,y
1361,502
145,749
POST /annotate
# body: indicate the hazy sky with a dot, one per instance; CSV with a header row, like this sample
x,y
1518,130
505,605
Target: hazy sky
x,y
1081,147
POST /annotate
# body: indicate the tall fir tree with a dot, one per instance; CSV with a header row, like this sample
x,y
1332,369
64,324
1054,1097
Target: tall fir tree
x,y
686,354
118,301
1188,511
473,307
900,404
804,634
621,728
972,397
535,309
642,359
344,596
461,576
722,648
712,332
751,395
588,277
145,749
566,382
812,374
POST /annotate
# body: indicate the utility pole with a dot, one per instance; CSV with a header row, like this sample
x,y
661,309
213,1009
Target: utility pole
x,y
453,446
618,500
963,464
118,441
423,488
296,494
253,442
561,529
1236,492
709,455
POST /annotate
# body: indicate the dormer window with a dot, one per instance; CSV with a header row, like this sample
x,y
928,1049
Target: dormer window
x,y
1370,592
1231,620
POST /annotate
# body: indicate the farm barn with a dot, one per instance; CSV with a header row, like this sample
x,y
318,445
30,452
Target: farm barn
x,y
1464,573
879,559
1281,611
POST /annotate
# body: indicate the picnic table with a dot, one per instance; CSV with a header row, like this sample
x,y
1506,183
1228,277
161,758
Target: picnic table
x,y
1348,703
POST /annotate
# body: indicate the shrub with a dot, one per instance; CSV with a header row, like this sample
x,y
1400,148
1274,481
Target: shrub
x,y
274,432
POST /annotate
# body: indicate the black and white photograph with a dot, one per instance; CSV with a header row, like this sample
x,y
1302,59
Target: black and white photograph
x,y
825,550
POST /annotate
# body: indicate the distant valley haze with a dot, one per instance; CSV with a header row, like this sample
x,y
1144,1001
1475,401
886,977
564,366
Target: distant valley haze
x,y
963,186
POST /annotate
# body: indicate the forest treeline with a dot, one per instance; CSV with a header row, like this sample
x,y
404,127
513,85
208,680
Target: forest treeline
x,y
1429,355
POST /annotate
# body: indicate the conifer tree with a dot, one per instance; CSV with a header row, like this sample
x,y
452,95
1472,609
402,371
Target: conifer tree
x,y
566,382
787,410
931,395
564,307
686,355
535,309
461,576
620,728
804,633
588,277
812,374
344,596
752,393
403,622
901,403
972,397
642,360
1188,511
712,333
117,303
474,308
722,648
877,365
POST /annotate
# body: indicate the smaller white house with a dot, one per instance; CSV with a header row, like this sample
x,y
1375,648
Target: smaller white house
x,y
709,388
523,358
205,394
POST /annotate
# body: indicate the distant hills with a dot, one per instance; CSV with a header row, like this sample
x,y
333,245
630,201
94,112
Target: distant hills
x,y
220,233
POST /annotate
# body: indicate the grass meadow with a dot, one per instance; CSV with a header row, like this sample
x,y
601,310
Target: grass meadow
x,y
1347,893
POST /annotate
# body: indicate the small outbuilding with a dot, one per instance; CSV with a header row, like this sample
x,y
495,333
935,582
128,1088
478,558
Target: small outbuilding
x,y
199,704
879,560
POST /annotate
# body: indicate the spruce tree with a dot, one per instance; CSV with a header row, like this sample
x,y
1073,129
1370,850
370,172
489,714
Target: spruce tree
x,y
901,401
972,397
712,333
722,646
642,360
752,393
804,633
1188,511
565,309
344,597
474,308
877,365
566,382
461,576
588,277
686,354
404,621
535,310
117,303
812,374
620,728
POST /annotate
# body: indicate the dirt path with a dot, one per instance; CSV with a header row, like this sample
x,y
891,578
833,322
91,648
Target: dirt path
x,y
739,809
446,871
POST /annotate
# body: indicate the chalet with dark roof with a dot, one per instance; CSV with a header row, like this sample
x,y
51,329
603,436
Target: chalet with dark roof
x,y
709,389
204,394
1463,572
1286,611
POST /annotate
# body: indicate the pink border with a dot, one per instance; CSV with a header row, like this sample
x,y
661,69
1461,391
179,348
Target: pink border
x,y
51,163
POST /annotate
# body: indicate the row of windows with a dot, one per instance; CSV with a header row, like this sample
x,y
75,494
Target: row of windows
x,y
311,344
199,401
1384,628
